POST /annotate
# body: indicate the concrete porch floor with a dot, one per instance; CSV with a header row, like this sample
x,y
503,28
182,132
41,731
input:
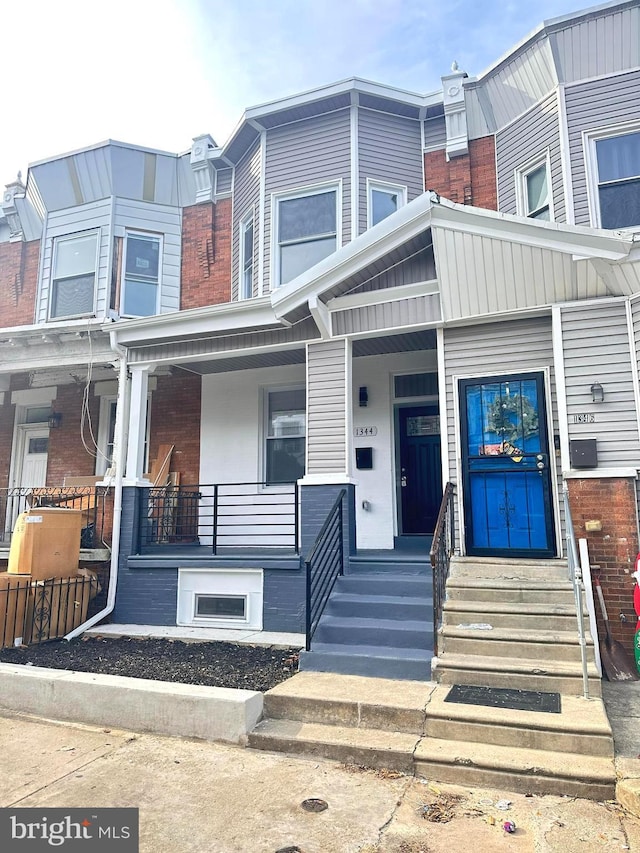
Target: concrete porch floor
x,y
248,637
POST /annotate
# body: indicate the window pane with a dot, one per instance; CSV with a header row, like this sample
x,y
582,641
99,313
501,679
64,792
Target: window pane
x,y
618,157
74,257
225,606
543,213
73,296
285,460
383,204
296,258
287,413
247,249
37,414
38,445
620,205
142,256
537,193
140,298
307,216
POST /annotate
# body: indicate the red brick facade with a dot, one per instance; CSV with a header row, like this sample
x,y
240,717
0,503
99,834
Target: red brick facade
x,y
469,179
613,549
67,455
18,282
175,419
206,254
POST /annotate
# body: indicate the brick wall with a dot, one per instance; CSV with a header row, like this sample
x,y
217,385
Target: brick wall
x,y
614,549
18,282
206,254
469,179
67,455
175,419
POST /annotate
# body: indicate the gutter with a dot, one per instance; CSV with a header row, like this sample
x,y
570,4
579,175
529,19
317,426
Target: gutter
x,y
117,496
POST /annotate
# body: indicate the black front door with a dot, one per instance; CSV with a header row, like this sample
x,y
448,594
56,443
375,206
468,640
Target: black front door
x,y
420,469
506,467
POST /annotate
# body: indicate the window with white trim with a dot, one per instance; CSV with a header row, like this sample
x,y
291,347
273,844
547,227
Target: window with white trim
x,y
614,166
141,275
73,280
246,257
107,433
534,190
383,199
306,231
285,435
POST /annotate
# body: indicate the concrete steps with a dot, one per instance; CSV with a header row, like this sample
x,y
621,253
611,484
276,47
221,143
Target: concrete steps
x,y
408,726
510,623
376,623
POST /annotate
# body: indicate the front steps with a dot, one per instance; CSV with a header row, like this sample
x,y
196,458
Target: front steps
x,y
512,624
378,622
407,726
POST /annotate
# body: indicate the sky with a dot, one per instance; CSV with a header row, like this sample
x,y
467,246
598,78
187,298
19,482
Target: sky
x,y
159,72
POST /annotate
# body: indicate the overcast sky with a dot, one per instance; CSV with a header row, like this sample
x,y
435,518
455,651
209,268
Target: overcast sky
x,y
159,72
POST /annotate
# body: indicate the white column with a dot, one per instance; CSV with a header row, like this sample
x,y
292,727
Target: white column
x,y
137,421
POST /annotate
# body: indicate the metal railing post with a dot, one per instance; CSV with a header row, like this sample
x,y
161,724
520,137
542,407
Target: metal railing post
x,y
575,577
215,519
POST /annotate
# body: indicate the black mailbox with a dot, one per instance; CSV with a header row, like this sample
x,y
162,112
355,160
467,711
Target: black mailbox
x,y
364,458
583,452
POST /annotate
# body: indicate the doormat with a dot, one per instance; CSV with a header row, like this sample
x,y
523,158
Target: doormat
x,y
502,697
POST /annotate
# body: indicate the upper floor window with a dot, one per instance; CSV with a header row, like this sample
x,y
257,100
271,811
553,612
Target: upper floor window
x,y
246,257
140,291
306,231
614,158
533,190
73,281
383,199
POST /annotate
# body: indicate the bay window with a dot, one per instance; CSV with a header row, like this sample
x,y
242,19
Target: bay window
x,y
306,231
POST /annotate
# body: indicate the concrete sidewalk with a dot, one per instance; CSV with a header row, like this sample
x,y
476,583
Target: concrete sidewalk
x,y
210,798
622,701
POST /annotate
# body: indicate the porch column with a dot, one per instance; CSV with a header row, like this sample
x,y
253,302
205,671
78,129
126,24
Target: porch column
x,y
328,450
137,421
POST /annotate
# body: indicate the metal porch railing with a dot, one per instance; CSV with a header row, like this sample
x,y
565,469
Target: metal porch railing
x,y
220,516
442,549
575,576
92,501
323,565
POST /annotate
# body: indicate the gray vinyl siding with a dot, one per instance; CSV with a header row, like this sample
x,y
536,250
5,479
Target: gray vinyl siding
x,y
388,150
606,44
66,223
159,219
591,106
435,134
506,348
246,199
327,386
420,267
193,349
303,154
596,347
523,140
510,90
402,313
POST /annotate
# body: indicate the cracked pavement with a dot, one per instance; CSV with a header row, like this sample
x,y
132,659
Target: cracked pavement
x,y
211,798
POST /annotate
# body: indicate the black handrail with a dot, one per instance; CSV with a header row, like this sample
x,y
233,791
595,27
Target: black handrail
x,y
441,550
323,565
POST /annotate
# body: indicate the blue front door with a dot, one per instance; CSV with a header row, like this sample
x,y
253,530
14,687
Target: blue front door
x,y
506,467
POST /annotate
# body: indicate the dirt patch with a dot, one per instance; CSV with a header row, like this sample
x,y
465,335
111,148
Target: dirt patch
x,y
210,664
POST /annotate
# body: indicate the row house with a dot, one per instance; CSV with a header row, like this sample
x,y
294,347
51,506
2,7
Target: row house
x,y
362,296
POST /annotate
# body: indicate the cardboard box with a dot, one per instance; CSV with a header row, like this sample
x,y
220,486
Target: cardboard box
x,y
14,594
46,543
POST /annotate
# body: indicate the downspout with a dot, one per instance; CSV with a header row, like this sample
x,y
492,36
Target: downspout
x,y
117,495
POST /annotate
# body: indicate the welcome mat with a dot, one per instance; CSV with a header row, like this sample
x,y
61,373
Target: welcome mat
x,y
502,697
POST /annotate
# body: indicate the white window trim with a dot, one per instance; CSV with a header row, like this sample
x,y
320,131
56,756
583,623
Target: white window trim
x,y
264,432
589,139
300,192
247,219
123,275
56,241
385,187
103,432
520,178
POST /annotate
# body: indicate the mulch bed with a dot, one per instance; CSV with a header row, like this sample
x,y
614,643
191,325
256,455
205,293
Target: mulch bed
x,y
211,664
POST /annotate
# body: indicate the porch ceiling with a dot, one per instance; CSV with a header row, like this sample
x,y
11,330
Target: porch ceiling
x,y
411,342
247,362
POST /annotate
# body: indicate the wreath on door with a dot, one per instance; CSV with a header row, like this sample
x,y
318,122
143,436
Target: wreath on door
x,y
512,417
